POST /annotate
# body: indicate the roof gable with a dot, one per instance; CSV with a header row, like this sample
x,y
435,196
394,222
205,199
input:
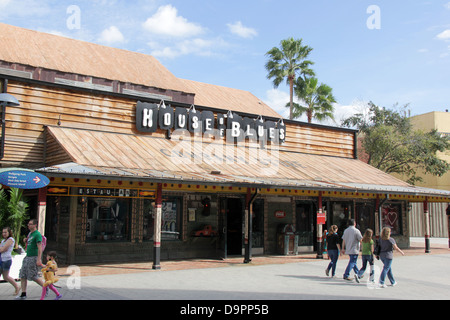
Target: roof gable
x,y
38,49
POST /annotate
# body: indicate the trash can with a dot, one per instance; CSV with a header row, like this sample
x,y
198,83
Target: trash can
x,y
287,240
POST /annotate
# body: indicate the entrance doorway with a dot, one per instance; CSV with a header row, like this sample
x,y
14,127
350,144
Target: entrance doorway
x,y
230,225
305,225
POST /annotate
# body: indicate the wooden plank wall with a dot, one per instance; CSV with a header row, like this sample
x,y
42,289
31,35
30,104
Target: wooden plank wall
x,y
47,106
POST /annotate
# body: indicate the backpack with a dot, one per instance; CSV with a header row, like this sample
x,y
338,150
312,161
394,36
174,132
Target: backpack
x,y
44,242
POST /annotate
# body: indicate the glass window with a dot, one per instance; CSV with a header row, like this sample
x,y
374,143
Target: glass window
x,y
258,224
171,218
391,217
365,216
108,219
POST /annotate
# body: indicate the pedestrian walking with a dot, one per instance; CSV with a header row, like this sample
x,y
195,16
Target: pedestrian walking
x,y
6,248
351,245
33,259
48,273
367,254
333,241
387,245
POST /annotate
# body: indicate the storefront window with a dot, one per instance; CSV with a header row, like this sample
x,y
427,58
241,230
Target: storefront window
x,y
391,218
258,224
341,213
365,216
171,219
108,219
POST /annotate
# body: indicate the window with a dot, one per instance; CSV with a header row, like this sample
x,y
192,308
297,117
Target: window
x,y
108,219
171,218
391,217
365,216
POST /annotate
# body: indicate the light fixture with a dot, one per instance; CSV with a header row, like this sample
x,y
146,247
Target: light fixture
x,y
162,104
6,100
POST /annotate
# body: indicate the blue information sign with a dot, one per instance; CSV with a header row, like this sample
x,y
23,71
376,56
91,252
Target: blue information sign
x,y
22,179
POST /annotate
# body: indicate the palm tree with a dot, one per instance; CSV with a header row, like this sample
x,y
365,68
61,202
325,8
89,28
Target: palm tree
x,y
286,62
318,99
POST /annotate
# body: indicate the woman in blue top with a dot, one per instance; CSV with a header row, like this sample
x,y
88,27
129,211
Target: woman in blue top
x,y
6,247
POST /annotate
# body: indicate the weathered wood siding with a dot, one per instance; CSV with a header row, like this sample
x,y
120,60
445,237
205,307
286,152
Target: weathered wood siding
x,y
42,106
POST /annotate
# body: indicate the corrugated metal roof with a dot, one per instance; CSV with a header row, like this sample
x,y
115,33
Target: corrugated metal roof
x,y
48,51
54,52
229,99
98,153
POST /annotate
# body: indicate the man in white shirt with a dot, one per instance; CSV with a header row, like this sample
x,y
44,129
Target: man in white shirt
x,y
351,240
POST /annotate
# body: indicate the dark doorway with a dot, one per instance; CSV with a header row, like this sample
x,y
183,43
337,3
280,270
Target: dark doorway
x,y
234,223
305,226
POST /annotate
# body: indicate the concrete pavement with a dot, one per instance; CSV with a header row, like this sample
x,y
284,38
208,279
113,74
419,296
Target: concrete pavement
x,y
420,277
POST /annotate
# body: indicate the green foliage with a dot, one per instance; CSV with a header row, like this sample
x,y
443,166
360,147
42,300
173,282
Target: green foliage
x,y
318,99
3,208
14,211
394,147
288,62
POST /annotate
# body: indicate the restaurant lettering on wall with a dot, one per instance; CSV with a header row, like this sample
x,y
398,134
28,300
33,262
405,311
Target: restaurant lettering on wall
x,y
150,117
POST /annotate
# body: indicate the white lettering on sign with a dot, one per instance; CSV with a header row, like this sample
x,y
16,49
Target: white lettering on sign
x,y
149,114
147,118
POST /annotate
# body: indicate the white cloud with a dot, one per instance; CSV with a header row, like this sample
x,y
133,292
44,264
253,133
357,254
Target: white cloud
x,y
239,29
167,22
4,3
197,46
277,100
445,35
447,5
111,35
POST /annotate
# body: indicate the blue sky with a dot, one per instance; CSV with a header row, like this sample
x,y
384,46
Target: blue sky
x,y
385,51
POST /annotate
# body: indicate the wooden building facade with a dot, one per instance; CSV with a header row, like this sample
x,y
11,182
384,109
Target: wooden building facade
x,y
144,165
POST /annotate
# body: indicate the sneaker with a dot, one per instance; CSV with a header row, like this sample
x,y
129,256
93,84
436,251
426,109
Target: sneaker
x,y
348,279
356,278
327,272
381,285
20,298
58,297
394,284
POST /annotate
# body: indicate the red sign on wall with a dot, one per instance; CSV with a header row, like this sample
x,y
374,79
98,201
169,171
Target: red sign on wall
x,y
280,214
321,217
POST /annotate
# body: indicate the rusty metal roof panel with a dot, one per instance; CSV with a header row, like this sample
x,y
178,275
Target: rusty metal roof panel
x,y
157,159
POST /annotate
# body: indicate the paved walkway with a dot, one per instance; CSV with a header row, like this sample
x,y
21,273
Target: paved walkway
x,y
420,276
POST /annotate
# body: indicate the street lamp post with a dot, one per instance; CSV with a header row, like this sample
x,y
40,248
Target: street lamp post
x,y
6,100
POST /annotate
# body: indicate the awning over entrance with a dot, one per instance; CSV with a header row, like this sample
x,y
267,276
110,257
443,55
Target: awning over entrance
x,y
183,160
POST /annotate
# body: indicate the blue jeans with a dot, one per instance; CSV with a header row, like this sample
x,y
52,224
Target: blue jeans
x,y
387,270
334,256
351,265
366,259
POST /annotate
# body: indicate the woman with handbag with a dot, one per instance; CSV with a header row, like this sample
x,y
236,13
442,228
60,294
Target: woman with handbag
x,y
387,246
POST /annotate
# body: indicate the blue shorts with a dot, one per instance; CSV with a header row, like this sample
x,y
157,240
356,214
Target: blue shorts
x,y
6,265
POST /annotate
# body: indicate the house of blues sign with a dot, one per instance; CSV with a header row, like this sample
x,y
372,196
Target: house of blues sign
x,y
150,117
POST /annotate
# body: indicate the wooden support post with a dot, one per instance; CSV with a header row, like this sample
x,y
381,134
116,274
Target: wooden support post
x,y
157,229
248,227
377,220
320,221
42,208
427,225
